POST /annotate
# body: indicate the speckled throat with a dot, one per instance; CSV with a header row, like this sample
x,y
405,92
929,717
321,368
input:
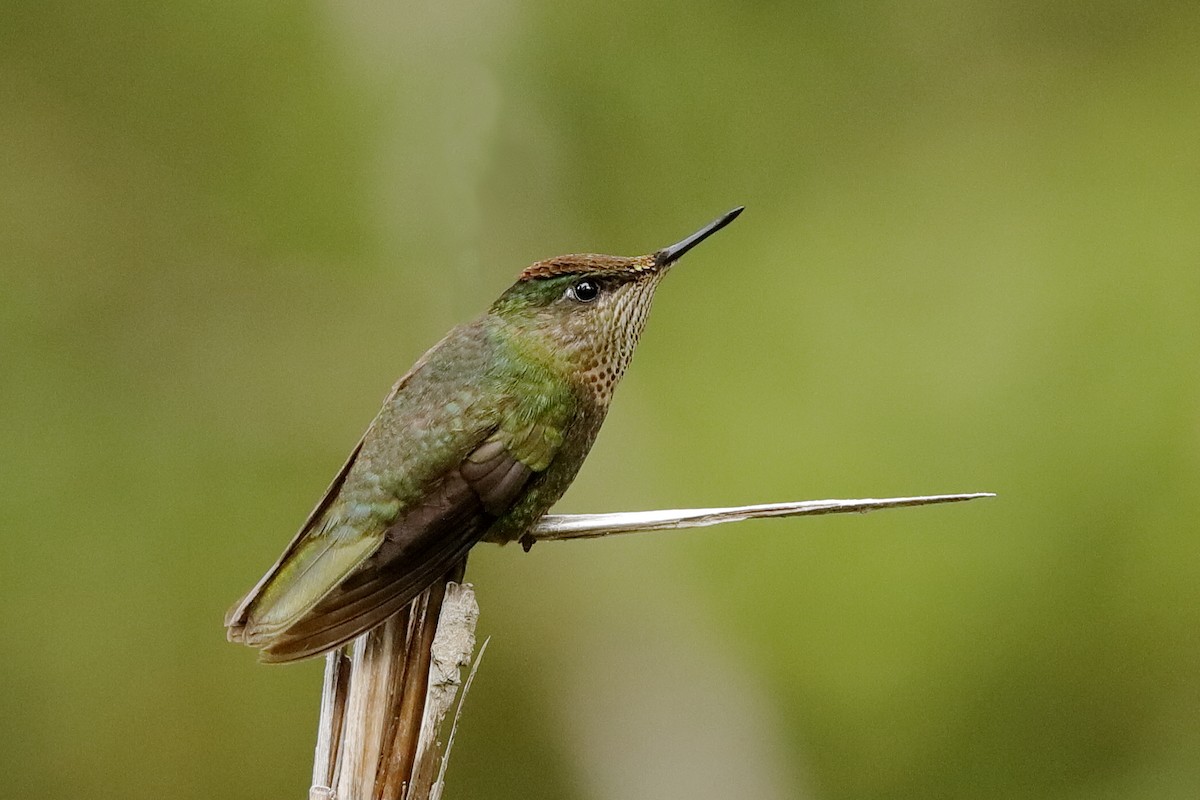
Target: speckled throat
x,y
603,366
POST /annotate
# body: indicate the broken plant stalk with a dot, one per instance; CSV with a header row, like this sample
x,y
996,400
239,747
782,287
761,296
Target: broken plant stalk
x,y
386,694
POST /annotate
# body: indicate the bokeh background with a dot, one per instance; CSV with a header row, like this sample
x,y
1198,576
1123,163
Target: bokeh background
x,y
969,262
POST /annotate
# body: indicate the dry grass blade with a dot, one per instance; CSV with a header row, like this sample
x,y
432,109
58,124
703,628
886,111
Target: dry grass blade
x,y
435,792
585,526
334,692
452,650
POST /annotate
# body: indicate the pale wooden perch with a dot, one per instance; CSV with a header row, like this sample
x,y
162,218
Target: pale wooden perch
x,y
385,695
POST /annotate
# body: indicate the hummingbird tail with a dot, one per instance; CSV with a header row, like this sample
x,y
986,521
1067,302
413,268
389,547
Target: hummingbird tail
x,y
418,549
319,634
328,590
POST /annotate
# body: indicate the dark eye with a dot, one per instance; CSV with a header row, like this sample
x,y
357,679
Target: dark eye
x,y
585,291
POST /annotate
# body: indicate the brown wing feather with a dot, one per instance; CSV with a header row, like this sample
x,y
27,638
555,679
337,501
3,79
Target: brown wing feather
x,y
422,545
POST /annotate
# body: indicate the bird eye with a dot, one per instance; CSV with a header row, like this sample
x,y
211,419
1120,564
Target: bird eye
x,y
584,291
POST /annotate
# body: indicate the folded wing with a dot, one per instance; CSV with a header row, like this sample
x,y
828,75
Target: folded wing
x,y
326,589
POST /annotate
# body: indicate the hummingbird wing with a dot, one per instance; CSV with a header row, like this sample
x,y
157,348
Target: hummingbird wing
x,y
423,544
337,579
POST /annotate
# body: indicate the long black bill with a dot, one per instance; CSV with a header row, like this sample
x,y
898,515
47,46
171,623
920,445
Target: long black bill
x,y
669,255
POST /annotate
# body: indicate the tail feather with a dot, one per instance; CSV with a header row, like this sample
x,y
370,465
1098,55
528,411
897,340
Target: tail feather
x,y
416,551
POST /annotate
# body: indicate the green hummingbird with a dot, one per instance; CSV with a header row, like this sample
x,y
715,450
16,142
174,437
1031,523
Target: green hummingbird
x,y
475,443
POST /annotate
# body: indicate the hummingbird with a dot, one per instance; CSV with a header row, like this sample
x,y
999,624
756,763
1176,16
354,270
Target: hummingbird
x,y
475,443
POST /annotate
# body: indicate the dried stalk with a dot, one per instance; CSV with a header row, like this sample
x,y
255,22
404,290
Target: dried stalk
x,y
385,696
589,526
451,651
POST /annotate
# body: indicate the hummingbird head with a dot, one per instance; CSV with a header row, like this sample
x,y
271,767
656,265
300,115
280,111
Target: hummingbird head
x,y
588,310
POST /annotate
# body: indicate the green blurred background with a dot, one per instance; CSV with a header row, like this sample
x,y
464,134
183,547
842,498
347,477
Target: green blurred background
x,y
969,262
